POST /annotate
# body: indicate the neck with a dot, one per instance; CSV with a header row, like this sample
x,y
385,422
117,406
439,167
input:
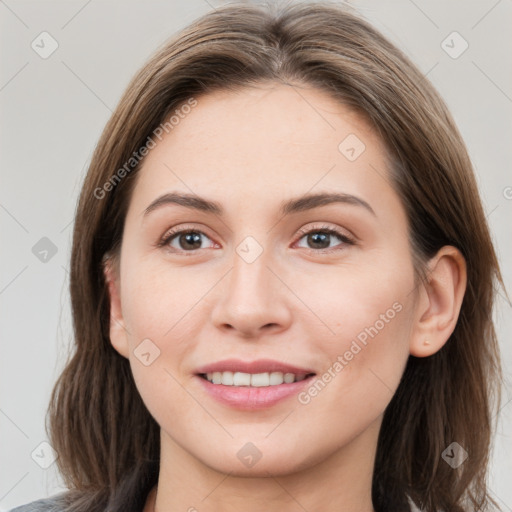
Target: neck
x,y
341,482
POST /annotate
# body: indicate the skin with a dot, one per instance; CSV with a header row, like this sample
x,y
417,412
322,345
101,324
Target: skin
x,y
296,303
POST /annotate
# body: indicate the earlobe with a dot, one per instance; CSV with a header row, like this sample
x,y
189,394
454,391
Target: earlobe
x,y
117,329
439,302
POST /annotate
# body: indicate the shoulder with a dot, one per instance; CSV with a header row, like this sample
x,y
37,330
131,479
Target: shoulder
x,y
52,504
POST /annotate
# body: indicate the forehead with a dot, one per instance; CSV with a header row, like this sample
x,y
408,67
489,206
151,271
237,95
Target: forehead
x,y
282,119
272,141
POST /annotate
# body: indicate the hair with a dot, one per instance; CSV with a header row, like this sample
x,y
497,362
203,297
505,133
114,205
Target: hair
x,y
107,442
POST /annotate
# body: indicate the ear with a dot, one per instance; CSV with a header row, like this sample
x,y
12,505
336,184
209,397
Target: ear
x,y
439,302
118,332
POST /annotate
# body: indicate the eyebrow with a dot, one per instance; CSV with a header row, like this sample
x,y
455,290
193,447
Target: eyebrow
x,y
294,205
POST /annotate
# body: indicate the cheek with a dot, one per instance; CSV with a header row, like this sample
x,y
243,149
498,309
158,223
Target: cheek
x,y
158,299
162,304
157,309
357,301
155,306
364,363
367,319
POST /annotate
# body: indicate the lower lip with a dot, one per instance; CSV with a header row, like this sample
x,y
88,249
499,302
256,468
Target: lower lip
x,y
253,398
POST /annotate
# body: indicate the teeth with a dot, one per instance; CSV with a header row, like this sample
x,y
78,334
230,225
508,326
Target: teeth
x,y
260,380
276,378
241,379
289,378
254,379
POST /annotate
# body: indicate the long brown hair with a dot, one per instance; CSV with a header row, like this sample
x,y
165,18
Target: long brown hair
x,y
107,442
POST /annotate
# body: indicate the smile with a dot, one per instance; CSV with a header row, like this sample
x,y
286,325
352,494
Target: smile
x,y
256,380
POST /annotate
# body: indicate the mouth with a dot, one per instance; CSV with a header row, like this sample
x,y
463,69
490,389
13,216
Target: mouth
x,y
252,385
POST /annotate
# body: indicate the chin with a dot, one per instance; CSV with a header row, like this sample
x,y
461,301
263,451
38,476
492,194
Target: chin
x,y
269,461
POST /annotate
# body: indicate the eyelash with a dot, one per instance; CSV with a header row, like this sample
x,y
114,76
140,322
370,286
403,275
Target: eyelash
x,y
170,235
328,231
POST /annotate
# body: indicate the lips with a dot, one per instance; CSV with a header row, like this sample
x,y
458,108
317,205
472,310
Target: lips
x,y
252,385
253,367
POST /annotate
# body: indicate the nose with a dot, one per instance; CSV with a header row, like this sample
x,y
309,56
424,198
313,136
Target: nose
x,y
252,300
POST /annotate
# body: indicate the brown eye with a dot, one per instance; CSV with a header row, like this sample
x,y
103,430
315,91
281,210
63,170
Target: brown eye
x,y
322,238
184,240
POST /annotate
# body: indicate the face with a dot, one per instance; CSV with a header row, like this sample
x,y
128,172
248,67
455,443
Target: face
x,y
255,281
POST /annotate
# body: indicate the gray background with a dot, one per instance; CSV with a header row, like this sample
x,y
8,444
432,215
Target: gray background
x,y
54,109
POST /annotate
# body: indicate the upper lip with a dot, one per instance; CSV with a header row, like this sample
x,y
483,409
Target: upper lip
x,y
258,366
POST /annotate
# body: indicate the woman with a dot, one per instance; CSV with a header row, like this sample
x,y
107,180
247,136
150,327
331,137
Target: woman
x,y
282,283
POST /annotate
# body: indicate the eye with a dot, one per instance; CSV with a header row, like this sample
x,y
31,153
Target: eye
x,y
321,238
318,239
187,240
